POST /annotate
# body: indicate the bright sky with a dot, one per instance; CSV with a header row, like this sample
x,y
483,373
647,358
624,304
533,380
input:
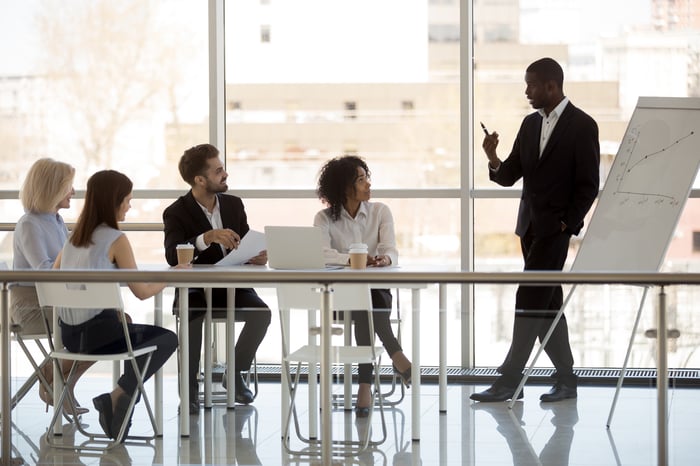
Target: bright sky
x,y
541,21
569,21
16,34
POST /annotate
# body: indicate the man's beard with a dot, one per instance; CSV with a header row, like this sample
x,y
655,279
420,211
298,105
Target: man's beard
x,y
216,188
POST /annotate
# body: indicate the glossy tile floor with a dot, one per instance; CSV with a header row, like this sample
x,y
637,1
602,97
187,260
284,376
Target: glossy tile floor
x,y
572,432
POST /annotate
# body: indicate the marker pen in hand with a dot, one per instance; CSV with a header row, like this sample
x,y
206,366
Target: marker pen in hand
x,y
486,132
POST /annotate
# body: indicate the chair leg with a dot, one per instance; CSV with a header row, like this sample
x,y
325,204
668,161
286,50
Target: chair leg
x,y
100,441
59,411
144,396
37,375
292,414
341,448
48,386
253,373
380,399
395,378
255,377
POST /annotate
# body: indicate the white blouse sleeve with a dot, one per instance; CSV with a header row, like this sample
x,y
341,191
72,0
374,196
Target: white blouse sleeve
x,y
331,256
387,237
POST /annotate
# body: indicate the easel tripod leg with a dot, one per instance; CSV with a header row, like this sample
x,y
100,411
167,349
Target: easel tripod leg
x,y
629,350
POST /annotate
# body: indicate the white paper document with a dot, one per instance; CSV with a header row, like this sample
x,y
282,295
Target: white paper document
x,y
251,245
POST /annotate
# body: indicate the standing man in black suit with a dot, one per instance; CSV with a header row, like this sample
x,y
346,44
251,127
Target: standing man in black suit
x,y
214,223
557,154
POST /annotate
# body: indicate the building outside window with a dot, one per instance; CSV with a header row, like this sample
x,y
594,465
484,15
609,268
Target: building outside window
x,y
134,95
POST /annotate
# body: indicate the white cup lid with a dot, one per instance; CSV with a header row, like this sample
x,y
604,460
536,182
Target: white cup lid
x,y
358,247
185,246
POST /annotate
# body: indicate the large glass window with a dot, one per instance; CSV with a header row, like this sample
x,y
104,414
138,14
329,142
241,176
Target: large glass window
x,y
101,84
124,85
335,78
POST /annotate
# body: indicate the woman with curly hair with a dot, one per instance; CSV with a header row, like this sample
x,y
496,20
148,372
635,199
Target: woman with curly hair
x,y
344,186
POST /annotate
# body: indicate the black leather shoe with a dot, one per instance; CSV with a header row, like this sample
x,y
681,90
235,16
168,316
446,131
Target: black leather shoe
x,y
194,407
121,412
243,393
496,392
103,405
361,411
558,392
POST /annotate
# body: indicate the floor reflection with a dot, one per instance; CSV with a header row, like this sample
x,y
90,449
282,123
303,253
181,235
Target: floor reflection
x,y
117,456
242,426
510,425
470,434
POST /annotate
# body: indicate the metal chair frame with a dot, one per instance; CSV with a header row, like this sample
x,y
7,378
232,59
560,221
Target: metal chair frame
x,y
217,396
345,298
90,296
346,399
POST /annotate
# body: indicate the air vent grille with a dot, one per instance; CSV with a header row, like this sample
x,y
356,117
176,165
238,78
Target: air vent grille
x,y
484,375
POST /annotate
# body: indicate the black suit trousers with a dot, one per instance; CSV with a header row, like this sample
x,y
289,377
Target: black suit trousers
x,y
535,309
104,334
249,309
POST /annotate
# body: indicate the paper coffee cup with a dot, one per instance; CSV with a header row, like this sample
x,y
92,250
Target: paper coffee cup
x,y
185,253
358,256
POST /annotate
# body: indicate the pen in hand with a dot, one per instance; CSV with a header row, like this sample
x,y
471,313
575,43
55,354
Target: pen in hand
x,y
486,132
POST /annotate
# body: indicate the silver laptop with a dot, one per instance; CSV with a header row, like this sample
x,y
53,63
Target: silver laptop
x,y
295,248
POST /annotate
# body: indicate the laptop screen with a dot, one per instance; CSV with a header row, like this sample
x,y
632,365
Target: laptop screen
x,y
294,248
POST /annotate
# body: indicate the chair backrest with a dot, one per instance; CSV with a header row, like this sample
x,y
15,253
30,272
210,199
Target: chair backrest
x,y
345,297
80,295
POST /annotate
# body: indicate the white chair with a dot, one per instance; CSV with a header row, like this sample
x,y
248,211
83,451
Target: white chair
x,y
22,339
43,344
396,383
251,376
90,296
346,297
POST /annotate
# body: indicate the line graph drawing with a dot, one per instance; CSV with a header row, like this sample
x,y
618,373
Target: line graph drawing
x,y
660,152
650,148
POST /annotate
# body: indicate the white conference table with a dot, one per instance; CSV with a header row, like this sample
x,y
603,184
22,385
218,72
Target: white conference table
x,y
250,281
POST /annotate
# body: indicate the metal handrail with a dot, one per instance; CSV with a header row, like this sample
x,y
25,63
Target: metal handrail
x,y
125,226
287,193
264,275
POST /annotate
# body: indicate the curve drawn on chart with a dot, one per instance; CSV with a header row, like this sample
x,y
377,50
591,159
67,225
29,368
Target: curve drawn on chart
x,y
649,159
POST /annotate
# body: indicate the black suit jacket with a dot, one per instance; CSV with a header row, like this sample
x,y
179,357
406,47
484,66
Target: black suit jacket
x,y
561,185
184,220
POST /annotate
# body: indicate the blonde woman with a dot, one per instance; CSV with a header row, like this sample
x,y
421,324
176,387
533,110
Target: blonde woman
x,y
39,236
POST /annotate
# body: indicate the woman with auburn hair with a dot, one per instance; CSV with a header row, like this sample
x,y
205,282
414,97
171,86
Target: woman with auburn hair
x,y
38,238
98,243
344,186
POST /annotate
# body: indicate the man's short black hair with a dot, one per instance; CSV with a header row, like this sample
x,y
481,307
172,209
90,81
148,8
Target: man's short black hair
x,y
194,161
547,69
